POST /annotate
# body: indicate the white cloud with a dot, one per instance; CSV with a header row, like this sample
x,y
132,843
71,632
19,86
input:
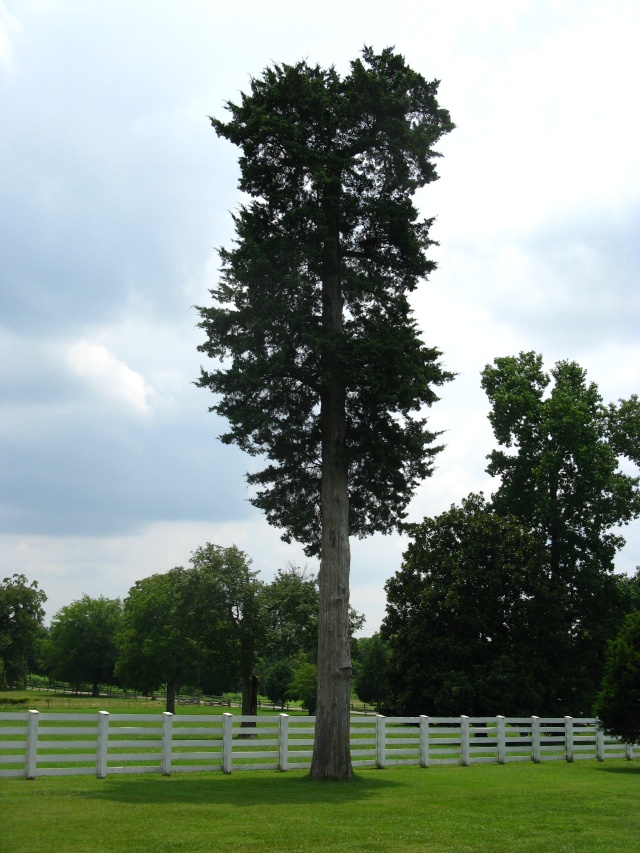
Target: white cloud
x,y
110,377
9,24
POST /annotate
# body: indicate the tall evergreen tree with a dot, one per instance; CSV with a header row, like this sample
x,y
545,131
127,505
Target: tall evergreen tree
x,y
324,369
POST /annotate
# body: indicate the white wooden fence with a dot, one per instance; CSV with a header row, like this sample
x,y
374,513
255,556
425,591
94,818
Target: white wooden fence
x,y
47,744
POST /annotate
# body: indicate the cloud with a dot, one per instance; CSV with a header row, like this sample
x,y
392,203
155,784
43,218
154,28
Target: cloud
x,y
9,24
110,377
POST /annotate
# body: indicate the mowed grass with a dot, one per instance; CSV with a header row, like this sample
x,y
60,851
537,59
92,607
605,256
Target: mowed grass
x,y
556,806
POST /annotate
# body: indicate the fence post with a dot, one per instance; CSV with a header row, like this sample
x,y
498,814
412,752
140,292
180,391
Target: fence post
x,y
629,751
502,739
227,742
599,741
167,732
424,740
535,739
381,758
568,737
465,757
103,744
283,743
31,757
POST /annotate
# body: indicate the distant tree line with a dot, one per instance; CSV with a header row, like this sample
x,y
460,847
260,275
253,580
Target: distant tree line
x,y
213,627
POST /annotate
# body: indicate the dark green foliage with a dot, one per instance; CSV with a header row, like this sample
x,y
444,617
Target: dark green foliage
x,y
276,680
618,703
229,615
330,165
196,625
290,611
563,478
158,643
21,615
560,476
468,619
304,685
370,680
82,641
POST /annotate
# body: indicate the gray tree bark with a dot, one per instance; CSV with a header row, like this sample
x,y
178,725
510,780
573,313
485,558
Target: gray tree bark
x,y
331,751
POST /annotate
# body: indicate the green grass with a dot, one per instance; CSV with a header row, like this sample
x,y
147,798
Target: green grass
x,y
584,806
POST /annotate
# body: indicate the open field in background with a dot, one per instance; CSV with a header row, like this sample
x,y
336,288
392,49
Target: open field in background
x,y
47,700
585,806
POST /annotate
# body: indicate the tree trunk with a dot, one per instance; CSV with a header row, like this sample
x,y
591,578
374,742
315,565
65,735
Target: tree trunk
x,y
250,700
95,690
172,689
331,751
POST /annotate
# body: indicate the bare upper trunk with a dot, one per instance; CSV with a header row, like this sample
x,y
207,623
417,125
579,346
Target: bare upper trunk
x,y
331,752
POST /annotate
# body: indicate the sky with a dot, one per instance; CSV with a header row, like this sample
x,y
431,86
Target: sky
x,y
115,193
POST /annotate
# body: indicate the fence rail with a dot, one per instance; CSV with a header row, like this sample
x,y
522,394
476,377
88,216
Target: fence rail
x,y
48,744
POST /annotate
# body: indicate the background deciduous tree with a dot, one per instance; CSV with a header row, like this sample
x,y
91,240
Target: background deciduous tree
x,y
83,641
229,614
371,671
468,618
157,643
21,615
195,626
560,475
618,703
324,371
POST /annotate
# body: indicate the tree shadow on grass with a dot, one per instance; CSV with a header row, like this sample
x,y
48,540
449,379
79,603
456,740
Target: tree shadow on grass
x,y
629,770
238,790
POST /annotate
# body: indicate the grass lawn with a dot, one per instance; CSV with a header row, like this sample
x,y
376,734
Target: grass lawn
x,y
548,807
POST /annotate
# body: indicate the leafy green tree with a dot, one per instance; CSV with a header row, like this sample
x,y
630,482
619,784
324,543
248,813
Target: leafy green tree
x,y
276,680
21,615
290,605
304,685
229,614
469,619
618,703
158,644
560,475
370,681
325,373
83,641
194,625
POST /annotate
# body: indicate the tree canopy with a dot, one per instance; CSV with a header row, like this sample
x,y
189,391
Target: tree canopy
x,y
83,641
21,615
370,679
560,474
157,645
618,703
467,618
324,371
228,614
